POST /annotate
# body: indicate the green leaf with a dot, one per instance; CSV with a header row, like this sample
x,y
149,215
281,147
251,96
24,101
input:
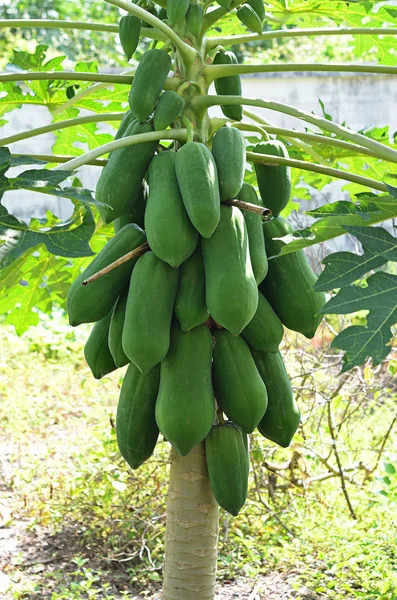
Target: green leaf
x,y
371,340
344,268
376,240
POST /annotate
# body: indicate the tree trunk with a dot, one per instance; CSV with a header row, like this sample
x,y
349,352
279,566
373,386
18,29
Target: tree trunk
x,y
191,541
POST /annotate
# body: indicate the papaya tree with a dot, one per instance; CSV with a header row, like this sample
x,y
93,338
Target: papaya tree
x,y
196,273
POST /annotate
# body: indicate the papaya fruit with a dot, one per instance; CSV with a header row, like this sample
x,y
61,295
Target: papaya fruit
x,y
239,389
231,290
190,307
150,304
148,82
116,331
194,19
224,3
129,32
250,19
169,107
137,215
136,428
255,233
198,182
289,284
87,304
176,10
274,181
185,406
265,331
228,149
120,183
282,417
226,448
96,349
229,86
259,8
169,232
125,123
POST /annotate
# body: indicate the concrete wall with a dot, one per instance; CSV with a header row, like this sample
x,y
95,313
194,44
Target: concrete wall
x,y
360,101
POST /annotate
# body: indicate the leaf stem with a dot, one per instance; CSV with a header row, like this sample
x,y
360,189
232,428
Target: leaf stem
x,y
381,151
248,207
172,83
187,52
131,140
307,166
231,40
58,158
61,125
148,32
213,72
117,263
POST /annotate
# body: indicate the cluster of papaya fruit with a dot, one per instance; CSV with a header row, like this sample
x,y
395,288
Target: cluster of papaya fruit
x,y
198,312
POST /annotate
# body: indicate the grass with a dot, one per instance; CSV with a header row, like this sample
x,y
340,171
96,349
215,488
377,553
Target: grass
x,y
99,527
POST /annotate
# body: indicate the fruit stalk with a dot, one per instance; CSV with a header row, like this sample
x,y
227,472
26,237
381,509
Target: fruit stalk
x,y
192,530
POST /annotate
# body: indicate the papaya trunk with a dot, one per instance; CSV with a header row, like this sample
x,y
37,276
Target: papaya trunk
x,y
191,541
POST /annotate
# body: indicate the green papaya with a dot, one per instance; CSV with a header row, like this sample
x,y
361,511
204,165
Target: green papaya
x,y
256,238
169,107
136,428
226,449
228,149
224,3
116,331
229,86
250,19
120,183
125,123
149,80
198,182
239,389
274,181
265,331
96,349
194,19
176,10
259,8
185,406
170,234
289,284
137,215
231,290
163,14
87,304
282,417
129,32
190,307
150,303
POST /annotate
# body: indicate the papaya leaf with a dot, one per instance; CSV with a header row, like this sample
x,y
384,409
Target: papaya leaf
x,y
344,268
373,339
376,240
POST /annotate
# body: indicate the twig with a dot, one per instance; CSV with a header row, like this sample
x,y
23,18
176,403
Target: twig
x,y
117,263
256,589
341,473
265,504
46,561
380,451
247,206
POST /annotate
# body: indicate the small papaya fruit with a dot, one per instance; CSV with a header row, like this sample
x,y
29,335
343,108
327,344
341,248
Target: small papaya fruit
x,y
282,417
198,182
137,212
255,233
239,389
274,181
229,86
226,448
231,290
250,19
228,149
169,231
194,19
148,82
185,406
265,331
289,284
190,307
125,123
150,304
129,32
169,107
120,184
136,428
116,331
87,304
176,10
224,3
96,349
258,7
